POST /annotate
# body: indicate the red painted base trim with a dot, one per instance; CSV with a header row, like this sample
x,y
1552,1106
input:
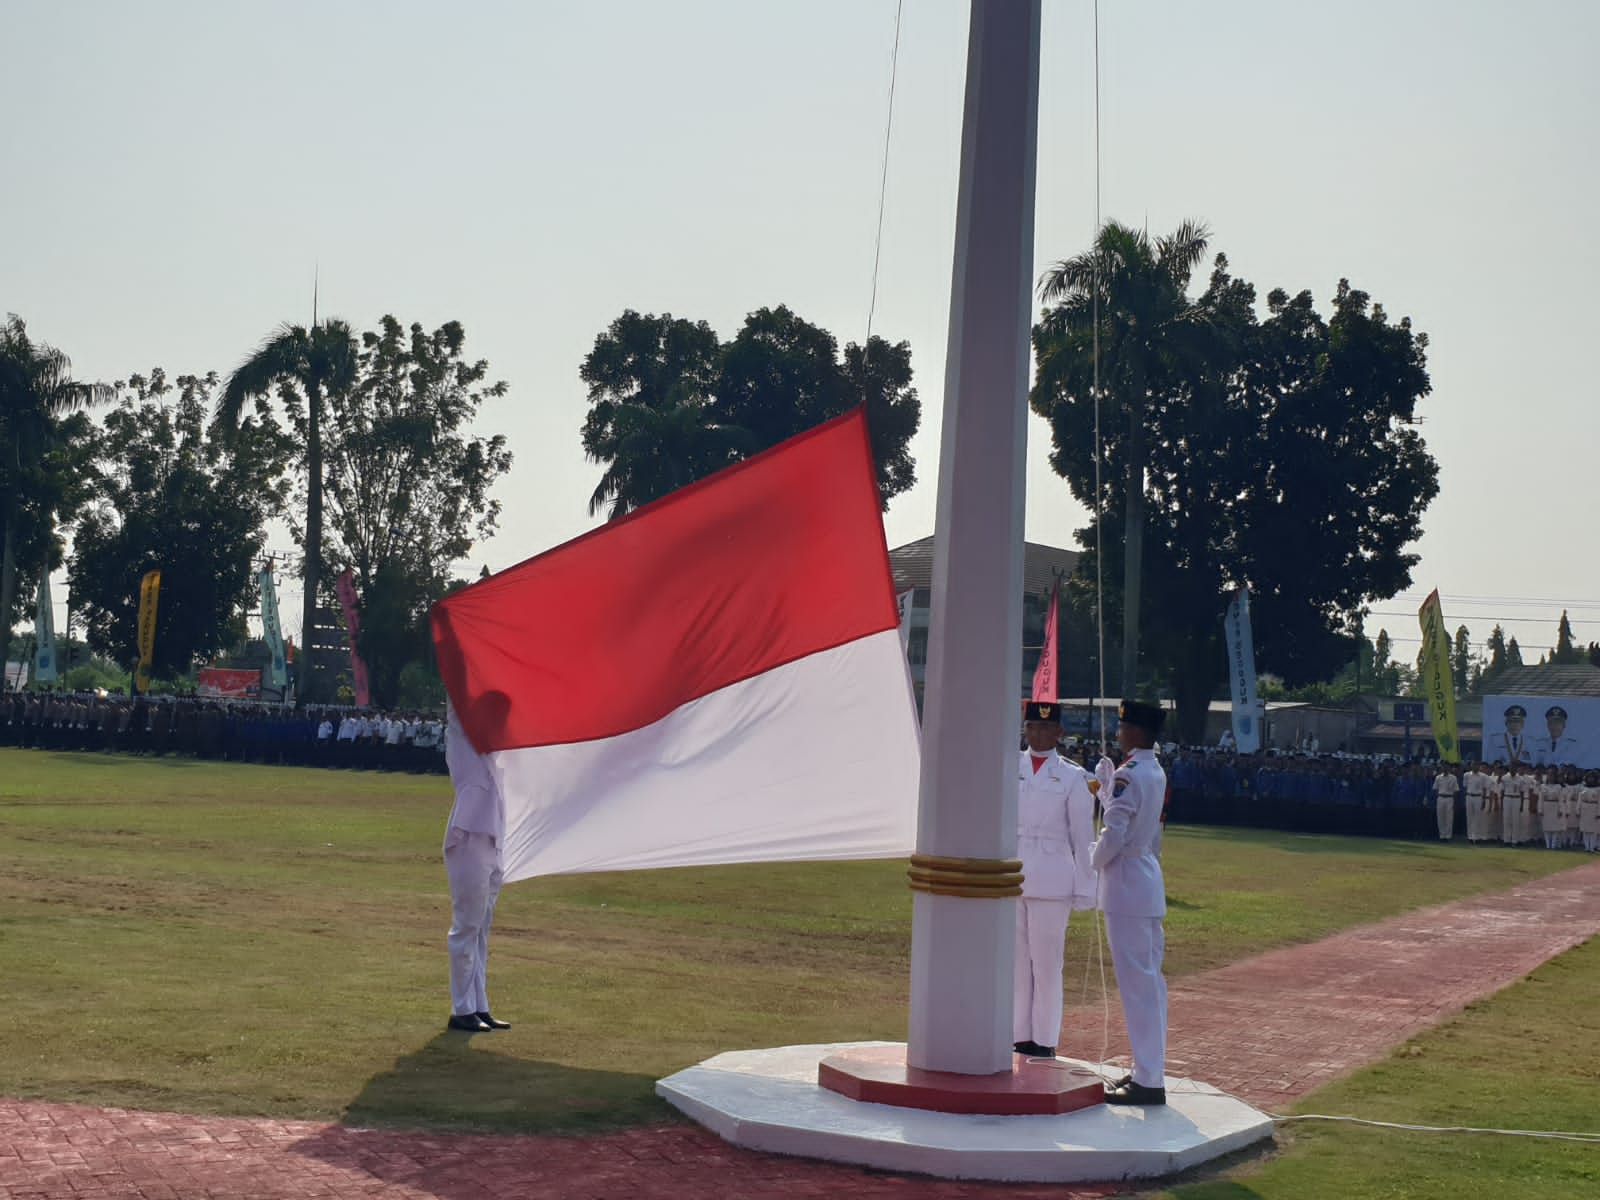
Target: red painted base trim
x,y
879,1075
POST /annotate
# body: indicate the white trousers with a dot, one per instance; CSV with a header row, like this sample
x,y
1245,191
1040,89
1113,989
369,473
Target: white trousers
x,y
1036,991
1446,809
1137,946
472,861
1476,807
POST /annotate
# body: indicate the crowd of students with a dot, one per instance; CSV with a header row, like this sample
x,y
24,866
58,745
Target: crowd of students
x,y
1312,792
231,730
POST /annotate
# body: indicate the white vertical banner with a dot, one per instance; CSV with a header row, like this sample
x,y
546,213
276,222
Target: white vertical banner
x,y
903,600
44,626
1242,673
272,632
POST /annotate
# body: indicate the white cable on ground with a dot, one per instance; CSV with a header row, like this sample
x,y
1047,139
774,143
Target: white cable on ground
x,y
1528,1133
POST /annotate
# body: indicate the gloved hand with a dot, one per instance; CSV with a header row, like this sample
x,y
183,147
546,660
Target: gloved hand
x,y
1105,773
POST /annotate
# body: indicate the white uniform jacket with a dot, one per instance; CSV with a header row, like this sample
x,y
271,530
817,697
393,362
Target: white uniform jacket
x,y
1126,856
1555,752
477,808
1502,747
1055,826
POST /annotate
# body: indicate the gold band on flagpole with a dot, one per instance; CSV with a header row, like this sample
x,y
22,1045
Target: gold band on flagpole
x,y
974,878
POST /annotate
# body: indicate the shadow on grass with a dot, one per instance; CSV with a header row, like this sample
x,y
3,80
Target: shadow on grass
x,y
480,1082
436,1120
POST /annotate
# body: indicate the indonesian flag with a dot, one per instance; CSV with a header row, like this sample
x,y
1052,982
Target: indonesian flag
x,y
716,677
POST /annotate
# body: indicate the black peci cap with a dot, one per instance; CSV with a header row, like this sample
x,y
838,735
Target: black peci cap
x,y
1042,710
1148,717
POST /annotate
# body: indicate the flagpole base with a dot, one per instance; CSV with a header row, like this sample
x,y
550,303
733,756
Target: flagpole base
x,y
770,1101
1033,1086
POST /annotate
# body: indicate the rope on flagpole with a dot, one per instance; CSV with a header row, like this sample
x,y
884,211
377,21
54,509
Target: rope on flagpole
x,y
883,187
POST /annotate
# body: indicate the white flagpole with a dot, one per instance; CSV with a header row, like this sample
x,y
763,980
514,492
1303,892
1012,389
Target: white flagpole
x,y
961,946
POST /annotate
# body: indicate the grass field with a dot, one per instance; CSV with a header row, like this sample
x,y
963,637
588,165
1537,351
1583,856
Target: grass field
x,y
1526,1058
253,940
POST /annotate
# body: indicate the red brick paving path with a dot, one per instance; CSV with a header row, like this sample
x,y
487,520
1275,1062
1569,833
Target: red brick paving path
x,y
1268,1029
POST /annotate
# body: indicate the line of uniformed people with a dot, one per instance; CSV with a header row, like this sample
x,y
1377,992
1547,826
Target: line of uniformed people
x,y
1328,793
217,730
1558,806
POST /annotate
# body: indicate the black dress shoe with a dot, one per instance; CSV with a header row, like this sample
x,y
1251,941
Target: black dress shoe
x,y
1116,1083
1043,1051
466,1023
1023,1048
1136,1093
492,1023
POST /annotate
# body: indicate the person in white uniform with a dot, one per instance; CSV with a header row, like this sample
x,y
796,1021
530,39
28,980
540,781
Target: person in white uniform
x,y
1055,825
1476,786
1134,899
472,849
1488,804
1445,788
1589,812
1511,789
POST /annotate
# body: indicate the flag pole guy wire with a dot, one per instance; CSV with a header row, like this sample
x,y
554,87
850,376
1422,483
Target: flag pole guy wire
x,y
883,192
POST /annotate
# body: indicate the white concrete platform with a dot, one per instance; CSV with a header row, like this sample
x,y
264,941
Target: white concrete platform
x,y
770,1100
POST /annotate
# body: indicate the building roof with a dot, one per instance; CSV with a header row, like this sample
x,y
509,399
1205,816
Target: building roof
x,y
1420,731
1575,679
912,565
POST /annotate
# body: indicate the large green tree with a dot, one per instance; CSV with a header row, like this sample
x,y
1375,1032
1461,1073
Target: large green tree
x,y
1461,661
1566,652
43,457
304,367
173,493
1280,453
669,403
408,487
1124,304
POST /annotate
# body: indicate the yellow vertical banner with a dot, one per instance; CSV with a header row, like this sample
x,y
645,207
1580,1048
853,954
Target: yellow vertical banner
x,y
149,593
1438,683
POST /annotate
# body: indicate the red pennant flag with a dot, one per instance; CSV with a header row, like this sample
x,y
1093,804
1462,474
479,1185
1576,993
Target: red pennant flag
x,y
1044,675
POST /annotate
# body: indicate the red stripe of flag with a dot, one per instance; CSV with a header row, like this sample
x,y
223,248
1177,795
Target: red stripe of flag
x,y
765,562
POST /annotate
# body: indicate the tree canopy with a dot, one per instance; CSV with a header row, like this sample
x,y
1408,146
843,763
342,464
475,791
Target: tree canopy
x,y
669,403
44,446
1122,320
305,367
408,490
173,493
1278,451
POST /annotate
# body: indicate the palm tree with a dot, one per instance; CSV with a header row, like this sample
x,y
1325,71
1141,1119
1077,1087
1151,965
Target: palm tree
x,y
317,363
1147,327
36,391
651,451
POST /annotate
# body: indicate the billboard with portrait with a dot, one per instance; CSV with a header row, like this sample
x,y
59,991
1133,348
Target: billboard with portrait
x,y
1540,731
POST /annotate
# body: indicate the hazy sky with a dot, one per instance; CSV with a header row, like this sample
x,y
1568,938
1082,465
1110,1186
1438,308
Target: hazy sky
x,y
175,172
